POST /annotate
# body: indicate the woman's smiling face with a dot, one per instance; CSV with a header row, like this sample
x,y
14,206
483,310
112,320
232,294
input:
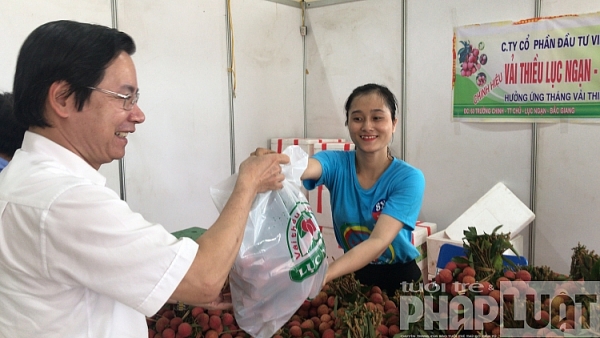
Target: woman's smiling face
x,y
370,123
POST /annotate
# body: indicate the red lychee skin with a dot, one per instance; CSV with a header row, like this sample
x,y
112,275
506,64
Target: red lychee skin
x,y
168,333
175,322
295,331
227,319
184,330
202,320
445,276
328,333
523,275
469,271
542,317
486,287
509,274
376,298
499,280
196,311
451,266
214,322
161,324
211,334
468,280
457,288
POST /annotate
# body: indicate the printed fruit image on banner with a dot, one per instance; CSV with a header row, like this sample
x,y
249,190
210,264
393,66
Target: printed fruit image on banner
x,y
468,59
535,70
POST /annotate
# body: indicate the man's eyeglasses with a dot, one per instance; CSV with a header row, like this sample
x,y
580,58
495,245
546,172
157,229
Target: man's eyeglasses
x,y
128,100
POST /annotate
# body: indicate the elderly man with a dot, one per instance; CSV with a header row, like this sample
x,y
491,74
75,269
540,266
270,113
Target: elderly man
x,y
75,260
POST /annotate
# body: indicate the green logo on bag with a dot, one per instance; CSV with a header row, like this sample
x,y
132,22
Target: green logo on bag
x,y
305,242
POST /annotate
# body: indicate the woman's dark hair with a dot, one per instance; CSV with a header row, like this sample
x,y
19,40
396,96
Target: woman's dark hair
x,y
384,92
74,52
11,132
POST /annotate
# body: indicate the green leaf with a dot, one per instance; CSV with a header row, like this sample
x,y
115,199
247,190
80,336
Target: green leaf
x,y
335,304
486,245
497,263
496,229
509,262
423,333
595,273
512,248
460,259
370,328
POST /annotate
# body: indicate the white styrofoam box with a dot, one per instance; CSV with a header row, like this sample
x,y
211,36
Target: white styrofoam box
x,y
307,144
345,146
419,240
333,249
422,259
422,231
499,206
320,204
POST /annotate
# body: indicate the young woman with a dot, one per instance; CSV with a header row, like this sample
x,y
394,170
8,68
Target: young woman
x,y
375,197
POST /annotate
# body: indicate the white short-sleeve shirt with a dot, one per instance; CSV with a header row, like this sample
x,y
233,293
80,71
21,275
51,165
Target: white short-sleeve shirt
x,y
75,260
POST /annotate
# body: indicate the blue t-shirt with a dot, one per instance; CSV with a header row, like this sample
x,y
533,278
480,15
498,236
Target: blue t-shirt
x,y
3,163
397,193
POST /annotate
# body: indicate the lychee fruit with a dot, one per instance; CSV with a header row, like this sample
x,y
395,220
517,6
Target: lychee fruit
x,y
445,276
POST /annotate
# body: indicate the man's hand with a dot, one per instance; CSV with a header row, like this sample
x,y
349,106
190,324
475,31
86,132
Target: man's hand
x,y
263,170
223,302
262,151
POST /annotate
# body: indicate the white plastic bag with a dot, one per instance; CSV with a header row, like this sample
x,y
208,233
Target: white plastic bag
x,y
282,259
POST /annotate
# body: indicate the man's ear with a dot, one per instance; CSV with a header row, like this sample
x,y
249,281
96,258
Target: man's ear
x,y
59,98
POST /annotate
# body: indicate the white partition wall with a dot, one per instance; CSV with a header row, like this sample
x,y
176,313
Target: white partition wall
x,y
461,161
568,192
348,45
268,63
183,146
19,18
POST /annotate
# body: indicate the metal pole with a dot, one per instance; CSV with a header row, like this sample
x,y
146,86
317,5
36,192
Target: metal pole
x,y
403,80
122,186
231,89
533,179
303,31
